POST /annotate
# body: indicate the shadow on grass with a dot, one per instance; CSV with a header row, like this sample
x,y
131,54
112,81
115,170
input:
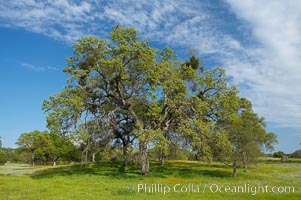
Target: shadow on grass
x,y
100,169
178,169
115,171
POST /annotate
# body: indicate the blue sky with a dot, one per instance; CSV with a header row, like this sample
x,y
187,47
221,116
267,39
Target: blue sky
x,y
258,42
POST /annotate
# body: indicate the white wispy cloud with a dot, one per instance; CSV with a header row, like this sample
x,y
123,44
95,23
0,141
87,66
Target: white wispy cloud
x,y
38,68
170,22
258,42
273,69
59,19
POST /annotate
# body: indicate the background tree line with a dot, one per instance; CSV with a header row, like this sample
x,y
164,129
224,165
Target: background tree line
x,y
127,98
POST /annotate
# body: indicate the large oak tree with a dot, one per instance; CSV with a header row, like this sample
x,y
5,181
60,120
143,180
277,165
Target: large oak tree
x,y
123,88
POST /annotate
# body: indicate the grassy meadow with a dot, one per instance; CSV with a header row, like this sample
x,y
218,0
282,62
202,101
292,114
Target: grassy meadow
x,y
110,181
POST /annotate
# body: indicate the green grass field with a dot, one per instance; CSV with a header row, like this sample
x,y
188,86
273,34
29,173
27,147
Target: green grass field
x,y
109,181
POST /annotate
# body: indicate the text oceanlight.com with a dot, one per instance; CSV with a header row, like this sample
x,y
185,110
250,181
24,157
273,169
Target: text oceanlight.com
x,y
214,188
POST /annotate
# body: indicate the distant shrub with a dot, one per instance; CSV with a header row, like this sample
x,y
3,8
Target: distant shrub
x,y
3,158
279,154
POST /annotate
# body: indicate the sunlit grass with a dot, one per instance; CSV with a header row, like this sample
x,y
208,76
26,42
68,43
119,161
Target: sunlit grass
x,y
110,181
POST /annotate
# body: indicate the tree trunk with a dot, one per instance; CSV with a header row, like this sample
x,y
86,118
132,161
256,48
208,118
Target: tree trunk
x,y
234,168
142,145
125,154
32,160
86,156
144,158
162,157
93,156
244,162
54,161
